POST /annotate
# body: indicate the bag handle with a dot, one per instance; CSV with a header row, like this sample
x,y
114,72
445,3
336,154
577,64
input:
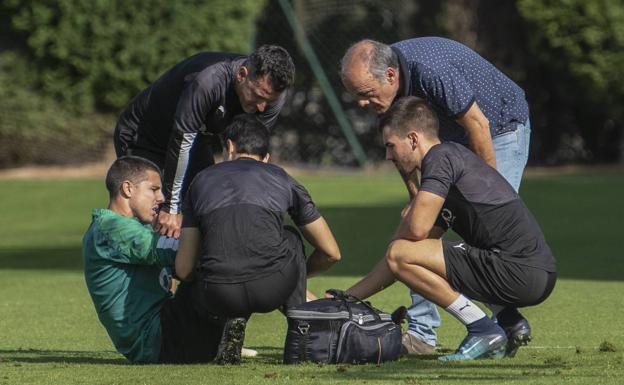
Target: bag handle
x,y
345,297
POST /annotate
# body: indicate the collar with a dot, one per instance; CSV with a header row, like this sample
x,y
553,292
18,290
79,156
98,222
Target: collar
x,y
247,158
404,70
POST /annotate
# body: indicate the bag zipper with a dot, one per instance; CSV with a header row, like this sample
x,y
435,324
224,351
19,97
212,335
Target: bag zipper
x,y
343,331
318,315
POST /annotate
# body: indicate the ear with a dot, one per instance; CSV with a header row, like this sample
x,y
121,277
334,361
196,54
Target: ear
x,y
126,189
230,149
392,75
266,158
242,74
414,138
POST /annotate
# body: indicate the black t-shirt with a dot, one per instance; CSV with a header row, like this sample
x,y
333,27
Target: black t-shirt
x,y
239,208
482,207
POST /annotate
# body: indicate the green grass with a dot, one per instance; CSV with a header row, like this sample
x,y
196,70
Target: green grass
x,y
49,332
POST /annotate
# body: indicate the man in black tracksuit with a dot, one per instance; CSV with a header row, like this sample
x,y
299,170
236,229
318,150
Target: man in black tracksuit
x,y
175,120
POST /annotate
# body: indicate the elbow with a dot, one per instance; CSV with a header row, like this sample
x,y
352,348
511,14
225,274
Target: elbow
x,y
334,253
335,256
417,233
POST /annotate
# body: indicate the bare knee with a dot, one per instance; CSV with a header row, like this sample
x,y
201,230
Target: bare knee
x,y
395,256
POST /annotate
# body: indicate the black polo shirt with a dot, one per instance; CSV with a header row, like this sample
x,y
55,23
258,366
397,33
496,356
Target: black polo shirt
x,y
239,208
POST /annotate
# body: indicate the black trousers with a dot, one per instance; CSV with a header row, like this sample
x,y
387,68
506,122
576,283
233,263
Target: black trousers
x,y
186,335
281,289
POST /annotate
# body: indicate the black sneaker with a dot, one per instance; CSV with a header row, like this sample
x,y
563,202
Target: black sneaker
x,y
518,334
399,315
229,350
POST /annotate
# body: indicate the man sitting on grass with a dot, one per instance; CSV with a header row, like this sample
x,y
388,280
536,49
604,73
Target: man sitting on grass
x,y
233,232
123,258
503,258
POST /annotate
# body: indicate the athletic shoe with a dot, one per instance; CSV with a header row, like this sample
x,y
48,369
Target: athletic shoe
x,y
399,315
479,346
231,344
518,334
247,353
410,344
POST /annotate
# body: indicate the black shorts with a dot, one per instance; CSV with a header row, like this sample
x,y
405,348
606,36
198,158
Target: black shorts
x,y
281,289
186,335
484,276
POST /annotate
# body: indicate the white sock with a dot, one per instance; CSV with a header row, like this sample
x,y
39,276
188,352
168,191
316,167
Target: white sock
x,y
495,309
465,310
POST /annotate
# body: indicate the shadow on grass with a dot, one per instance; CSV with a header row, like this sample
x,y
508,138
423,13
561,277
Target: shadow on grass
x,y
409,370
363,234
62,258
38,356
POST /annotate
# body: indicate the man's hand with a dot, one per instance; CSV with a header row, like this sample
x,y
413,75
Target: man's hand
x,y
168,224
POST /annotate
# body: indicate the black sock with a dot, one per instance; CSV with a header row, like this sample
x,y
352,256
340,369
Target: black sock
x,y
508,316
483,326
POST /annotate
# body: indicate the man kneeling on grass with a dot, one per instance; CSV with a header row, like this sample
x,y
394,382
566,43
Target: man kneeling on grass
x,y
123,261
503,260
233,239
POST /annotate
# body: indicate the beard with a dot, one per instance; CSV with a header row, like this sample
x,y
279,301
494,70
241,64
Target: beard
x,y
407,171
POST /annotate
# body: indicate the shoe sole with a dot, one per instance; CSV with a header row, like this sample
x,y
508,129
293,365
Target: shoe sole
x,y
229,352
516,340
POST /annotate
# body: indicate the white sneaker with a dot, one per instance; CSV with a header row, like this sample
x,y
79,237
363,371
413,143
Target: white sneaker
x,y
247,353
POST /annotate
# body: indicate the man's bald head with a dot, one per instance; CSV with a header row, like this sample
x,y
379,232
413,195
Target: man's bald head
x,y
370,71
376,57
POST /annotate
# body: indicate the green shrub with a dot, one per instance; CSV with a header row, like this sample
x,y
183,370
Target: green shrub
x,y
37,129
100,53
579,48
63,63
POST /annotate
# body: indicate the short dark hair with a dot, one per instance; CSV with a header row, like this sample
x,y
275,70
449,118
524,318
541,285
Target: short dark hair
x,y
274,61
410,113
249,134
132,168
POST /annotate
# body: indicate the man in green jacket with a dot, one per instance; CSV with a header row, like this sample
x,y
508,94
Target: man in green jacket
x,y
125,266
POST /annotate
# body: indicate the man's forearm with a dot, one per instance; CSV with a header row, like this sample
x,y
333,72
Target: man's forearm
x,y
318,262
484,148
411,183
378,279
477,127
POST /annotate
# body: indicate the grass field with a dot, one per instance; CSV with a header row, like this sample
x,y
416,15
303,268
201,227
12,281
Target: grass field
x,y
49,332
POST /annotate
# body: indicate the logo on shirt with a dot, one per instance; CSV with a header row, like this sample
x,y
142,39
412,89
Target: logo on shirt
x,y
220,111
460,246
448,217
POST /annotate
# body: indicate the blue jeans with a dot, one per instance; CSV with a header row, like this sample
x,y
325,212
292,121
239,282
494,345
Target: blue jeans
x,y
512,153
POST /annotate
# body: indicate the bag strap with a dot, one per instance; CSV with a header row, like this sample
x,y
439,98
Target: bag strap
x,y
347,298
